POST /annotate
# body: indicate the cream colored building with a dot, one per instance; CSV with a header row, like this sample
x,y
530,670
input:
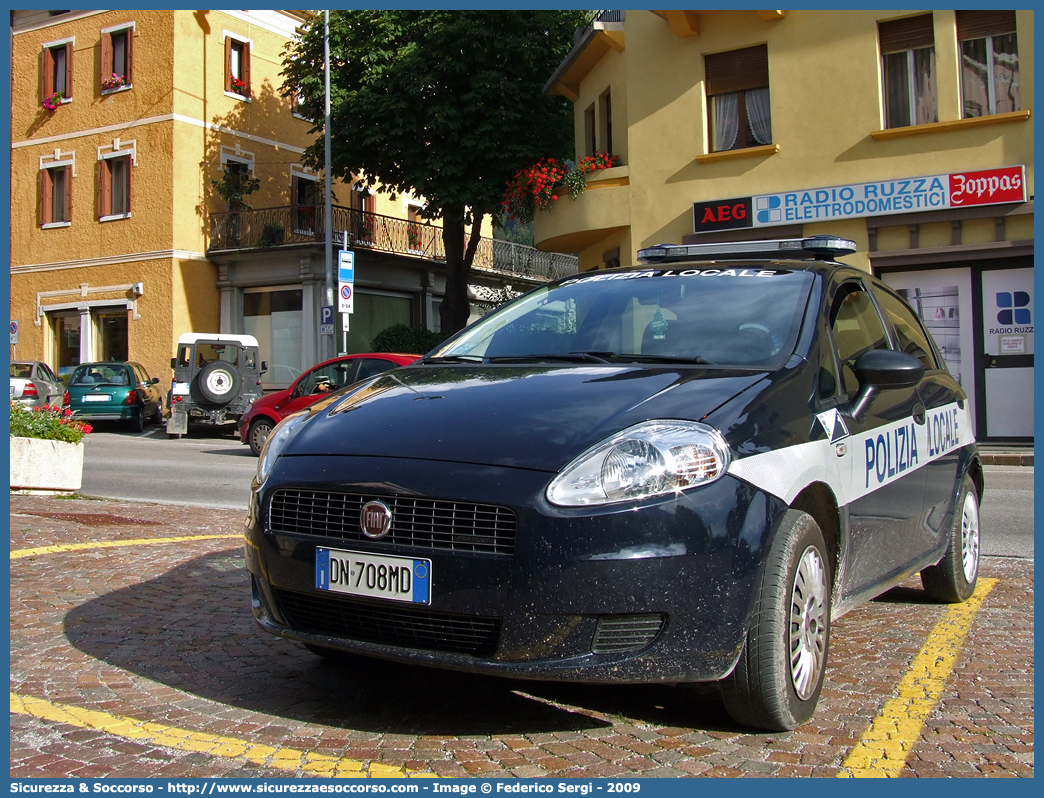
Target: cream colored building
x,y
909,132
120,242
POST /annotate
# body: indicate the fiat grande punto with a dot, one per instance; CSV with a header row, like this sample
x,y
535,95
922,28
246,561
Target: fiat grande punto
x,y
680,472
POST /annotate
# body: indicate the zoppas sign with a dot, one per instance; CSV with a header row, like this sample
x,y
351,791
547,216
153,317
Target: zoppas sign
x,y
879,198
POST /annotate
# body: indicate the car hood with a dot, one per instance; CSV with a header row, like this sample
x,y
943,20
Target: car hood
x,y
531,417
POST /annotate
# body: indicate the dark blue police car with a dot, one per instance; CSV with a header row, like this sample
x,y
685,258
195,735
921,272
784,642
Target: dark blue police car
x,y
680,472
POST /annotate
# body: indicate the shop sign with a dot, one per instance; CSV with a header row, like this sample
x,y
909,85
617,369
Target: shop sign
x,y
856,200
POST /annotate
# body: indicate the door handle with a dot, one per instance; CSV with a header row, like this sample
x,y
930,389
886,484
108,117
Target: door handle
x,y
919,413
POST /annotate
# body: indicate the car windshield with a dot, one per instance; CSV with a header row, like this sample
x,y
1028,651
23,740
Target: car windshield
x,y
733,315
21,371
100,374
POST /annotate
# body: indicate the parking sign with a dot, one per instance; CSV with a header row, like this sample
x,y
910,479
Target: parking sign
x,y
345,297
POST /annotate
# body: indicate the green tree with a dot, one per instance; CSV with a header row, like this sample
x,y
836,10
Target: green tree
x,y
448,104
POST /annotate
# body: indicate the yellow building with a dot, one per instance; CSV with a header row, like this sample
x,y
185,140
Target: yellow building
x,y
121,122
909,132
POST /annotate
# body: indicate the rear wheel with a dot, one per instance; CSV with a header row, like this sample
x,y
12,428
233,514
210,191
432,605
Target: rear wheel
x,y
954,577
157,416
137,422
259,431
777,680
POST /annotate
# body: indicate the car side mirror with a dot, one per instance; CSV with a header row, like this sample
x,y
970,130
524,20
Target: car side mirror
x,y
881,370
155,381
264,366
173,363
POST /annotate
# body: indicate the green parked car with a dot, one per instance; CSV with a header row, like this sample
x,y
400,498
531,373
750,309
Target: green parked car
x,y
113,391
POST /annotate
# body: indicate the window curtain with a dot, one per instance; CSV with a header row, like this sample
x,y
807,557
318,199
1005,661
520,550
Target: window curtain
x,y
724,108
759,115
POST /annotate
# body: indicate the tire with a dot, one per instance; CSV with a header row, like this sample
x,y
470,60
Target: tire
x,y
157,417
137,423
218,383
776,682
953,578
260,429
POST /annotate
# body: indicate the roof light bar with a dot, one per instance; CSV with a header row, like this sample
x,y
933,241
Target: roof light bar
x,y
818,247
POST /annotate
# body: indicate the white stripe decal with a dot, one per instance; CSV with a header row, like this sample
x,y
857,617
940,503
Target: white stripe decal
x,y
861,463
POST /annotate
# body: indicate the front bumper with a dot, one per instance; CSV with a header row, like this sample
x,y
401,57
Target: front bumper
x,y
680,570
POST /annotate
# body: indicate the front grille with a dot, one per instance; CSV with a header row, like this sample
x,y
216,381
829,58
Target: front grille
x,y
390,625
618,634
422,523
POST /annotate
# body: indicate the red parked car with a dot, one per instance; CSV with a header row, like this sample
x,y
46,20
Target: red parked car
x,y
330,375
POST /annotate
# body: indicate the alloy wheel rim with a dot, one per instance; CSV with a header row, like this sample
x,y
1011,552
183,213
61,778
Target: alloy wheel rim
x,y
970,538
808,623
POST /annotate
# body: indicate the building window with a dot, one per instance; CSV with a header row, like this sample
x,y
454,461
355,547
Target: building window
x,y
363,207
114,187
605,103
237,66
989,62
116,58
305,192
56,70
55,195
590,145
908,62
737,85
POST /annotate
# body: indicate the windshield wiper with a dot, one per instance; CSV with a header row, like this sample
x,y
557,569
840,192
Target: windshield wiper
x,y
569,357
696,359
455,359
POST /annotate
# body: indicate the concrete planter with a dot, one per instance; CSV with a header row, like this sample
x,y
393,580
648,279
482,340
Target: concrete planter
x,y
52,466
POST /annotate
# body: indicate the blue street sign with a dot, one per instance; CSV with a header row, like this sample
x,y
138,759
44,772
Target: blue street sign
x,y
346,267
326,314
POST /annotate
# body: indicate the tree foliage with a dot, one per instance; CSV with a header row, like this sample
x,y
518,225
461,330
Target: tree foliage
x,y
447,104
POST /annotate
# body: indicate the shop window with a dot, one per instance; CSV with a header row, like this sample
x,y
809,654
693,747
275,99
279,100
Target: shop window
x,y
114,187
373,313
989,62
112,336
908,61
275,317
56,71
66,329
737,85
55,196
237,66
116,63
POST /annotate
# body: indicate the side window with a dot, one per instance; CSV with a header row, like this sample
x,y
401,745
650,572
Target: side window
x,y
856,328
372,366
185,357
910,336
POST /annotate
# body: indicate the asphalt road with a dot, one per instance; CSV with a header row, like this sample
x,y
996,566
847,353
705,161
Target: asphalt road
x,y
209,469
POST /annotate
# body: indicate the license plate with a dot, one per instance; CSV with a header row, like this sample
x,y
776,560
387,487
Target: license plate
x,y
96,398
374,576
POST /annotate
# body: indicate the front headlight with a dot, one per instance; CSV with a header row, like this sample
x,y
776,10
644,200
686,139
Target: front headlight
x,y
276,443
649,459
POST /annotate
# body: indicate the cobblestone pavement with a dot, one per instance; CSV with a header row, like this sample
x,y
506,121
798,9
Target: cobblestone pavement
x,y
132,658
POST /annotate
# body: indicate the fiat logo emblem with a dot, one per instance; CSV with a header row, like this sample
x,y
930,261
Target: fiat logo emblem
x,y
375,520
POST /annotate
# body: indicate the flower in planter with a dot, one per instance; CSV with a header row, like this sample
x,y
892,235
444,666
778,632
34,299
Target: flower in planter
x,y
48,423
597,162
534,187
113,81
239,86
52,101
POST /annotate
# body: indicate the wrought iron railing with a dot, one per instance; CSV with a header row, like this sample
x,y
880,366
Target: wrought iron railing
x,y
263,228
609,15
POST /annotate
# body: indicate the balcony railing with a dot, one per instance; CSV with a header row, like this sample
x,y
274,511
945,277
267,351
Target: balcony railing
x,y
262,228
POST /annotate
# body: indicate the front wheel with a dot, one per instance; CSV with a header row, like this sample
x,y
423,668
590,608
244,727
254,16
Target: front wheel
x,y
953,578
777,680
259,431
137,423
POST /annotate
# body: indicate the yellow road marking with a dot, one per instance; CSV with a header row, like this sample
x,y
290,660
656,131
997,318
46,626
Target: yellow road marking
x,y
306,763
884,747
107,544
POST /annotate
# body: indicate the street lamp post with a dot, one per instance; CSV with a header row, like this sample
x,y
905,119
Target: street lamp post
x,y
327,341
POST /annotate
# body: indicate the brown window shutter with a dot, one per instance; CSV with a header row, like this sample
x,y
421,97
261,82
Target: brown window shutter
x,y
911,33
737,70
102,188
130,56
68,70
43,197
45,73
68,193
129,181
228,64
370,203
246,68
105,65
980,24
